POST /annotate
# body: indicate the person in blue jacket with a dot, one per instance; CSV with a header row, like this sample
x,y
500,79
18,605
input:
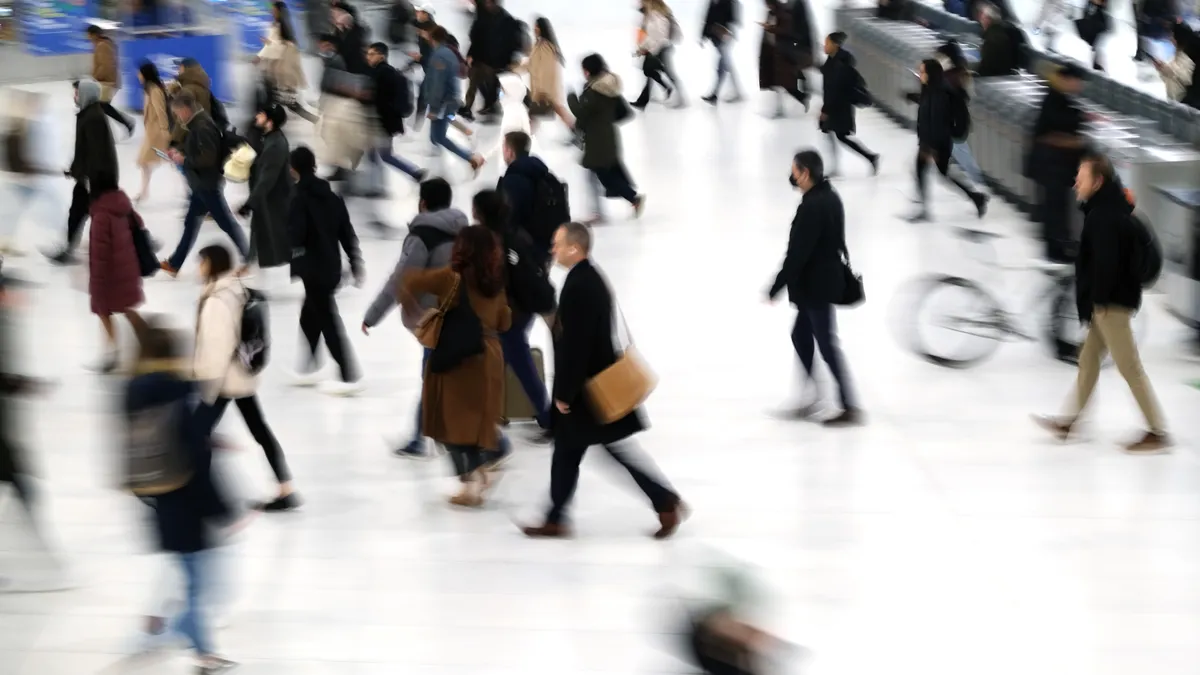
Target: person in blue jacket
x,y
442,95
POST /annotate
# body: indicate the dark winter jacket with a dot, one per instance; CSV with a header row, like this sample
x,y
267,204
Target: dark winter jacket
x,y
1059,114
388,85
933,118
583,348
401,22
95,158
841,80
184,519
998,55
114,275
721,18
1094,23
595,112
1105,270
415,255
202,153
493,38
519,185
319,225
812,268
270,197
893,10
352,47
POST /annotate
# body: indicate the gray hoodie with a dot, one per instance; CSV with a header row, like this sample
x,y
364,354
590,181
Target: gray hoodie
x,y
414,256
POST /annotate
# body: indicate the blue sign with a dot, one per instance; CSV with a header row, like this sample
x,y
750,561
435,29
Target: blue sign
x,y
56,26
166,53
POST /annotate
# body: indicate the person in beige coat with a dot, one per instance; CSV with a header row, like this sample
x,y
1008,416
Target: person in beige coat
x,y
106,67
157,124
545,64
221,374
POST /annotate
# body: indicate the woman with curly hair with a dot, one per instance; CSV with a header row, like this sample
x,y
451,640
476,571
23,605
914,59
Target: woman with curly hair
x,y
463,391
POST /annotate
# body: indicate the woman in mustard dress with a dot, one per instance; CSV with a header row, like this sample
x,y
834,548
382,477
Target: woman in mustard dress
x,y
156,122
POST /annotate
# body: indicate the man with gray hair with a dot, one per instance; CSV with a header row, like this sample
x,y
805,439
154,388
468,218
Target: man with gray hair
x,y
1001,51
584,346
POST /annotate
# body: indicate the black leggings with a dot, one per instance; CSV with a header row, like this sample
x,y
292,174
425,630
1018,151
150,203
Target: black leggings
x,y
655,66
467,459
253,417
941,160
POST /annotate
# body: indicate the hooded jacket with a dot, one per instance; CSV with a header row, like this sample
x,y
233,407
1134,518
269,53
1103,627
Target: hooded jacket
x,y
595,112
415,256
1105,270
95,158
519,185
319,224
202,153
218,334
114,275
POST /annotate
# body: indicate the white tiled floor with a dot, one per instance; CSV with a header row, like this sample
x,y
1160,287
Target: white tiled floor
x,y
948,536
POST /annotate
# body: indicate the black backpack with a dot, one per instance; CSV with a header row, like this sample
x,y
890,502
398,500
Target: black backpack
x,y
254,343
14,149
156,457
551,210
403,96
1148,255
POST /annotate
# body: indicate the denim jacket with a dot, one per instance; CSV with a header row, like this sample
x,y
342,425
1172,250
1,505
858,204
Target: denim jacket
x,y
441,82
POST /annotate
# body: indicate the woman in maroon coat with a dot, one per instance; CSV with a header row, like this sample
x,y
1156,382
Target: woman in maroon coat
x,y
114,276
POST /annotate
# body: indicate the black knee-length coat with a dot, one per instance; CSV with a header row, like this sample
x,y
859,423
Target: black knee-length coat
x,y
788,45
270,198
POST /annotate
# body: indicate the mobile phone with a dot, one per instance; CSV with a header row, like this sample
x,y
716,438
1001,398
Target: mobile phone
x,y
162,154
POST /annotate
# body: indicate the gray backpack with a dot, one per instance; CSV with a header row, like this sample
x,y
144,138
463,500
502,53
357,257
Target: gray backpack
x,y
156,458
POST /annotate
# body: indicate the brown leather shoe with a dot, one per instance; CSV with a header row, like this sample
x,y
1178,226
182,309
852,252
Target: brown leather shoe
x,y
1151,443
669,521
547,531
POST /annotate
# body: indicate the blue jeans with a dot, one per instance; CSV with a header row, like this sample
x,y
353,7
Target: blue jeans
x,y
515,343
725,66
962,156
816,324
203,202
190,622
384,153
437,135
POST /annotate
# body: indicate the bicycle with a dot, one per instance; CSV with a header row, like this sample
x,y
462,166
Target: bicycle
x,y
983,322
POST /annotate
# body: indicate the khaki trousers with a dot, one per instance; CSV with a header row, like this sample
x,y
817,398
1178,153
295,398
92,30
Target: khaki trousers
x,y
1111,332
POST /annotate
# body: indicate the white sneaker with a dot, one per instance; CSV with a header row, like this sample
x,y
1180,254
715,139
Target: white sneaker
x,y
310,379
343,389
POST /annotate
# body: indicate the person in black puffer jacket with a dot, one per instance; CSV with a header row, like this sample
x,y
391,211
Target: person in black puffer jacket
x,y
529,290
1108,292
958,79
843,87
935,139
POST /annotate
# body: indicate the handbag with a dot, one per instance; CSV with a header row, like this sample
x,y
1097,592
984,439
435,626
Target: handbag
x,y
621,388
461,336
429,326
853,293
147,261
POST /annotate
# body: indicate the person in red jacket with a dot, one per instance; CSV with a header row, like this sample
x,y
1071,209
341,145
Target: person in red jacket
x,y
114,276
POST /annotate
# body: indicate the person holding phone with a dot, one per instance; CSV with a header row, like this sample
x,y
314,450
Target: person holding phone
x,y
1178,73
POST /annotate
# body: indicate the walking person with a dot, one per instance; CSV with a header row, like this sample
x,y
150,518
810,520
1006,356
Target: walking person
x,y
656,46
1093,26
462,398
221,374
320,225
545,66
269,200
957,73
778,58
94,166
1053,160
186,520
29,153
584,331
597,110
280,63
391,93
1108,292
493,44
843,90
106,70
156,122
941,116
720,21
114,273
441,93
529,294
428,245
813,273
200,160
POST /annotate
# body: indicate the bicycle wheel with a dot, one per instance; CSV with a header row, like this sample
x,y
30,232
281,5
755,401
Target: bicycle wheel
x,y
956,324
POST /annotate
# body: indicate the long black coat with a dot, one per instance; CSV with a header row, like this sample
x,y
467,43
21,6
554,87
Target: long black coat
x,y
812,268
95,158
583,348
777,56
840,79
270,197
319,225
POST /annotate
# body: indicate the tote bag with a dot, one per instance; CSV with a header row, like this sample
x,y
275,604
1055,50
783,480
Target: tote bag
x,y
621,388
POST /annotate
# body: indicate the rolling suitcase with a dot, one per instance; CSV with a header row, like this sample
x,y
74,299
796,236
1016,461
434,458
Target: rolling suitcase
x,y
517,407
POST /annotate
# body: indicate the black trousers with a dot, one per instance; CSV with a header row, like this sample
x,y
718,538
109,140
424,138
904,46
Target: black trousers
x,y
850,141
655,67
77,215
816,325
253,417
942,161
564,476
1055,203
467,459
15,473
319,318
482,79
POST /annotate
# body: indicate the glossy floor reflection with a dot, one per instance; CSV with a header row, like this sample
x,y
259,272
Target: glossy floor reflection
x,y
948,536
